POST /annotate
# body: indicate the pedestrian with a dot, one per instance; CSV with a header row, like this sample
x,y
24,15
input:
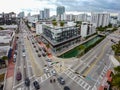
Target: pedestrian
x,y
50,80
54,80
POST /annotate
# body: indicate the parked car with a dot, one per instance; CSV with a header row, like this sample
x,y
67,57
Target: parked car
x,y
39,55
27,81
66,88
24,55
36,85
14,57
36,50
61,80
44,49
18,76
46,70
23,50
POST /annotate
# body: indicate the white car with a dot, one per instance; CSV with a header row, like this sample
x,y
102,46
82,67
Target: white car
x,y
46,70
14,56
53,72
23,54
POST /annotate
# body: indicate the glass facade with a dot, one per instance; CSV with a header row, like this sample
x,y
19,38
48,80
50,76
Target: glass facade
x,y
61,37
60,34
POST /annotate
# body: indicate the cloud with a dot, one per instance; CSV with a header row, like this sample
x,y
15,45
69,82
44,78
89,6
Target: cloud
x,y
89,5
70,5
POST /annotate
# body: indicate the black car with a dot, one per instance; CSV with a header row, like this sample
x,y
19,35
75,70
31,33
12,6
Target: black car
x,y
36,85
23,50
44,54
66,88
39,55
61,80
27,82
36,50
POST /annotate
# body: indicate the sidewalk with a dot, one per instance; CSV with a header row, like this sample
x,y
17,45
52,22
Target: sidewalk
x,y
43,45
10,72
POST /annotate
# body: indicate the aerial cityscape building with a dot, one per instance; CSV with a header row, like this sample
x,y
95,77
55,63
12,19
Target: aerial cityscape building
x,y
60,45
60,12
100,19
61,37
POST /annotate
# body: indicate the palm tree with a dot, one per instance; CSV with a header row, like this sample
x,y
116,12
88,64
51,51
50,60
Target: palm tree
x,y
82,49
48,45
116,48
116,78
117,69
62,23
5,58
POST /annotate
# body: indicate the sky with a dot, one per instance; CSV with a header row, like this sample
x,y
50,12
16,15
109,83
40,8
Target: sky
x,y
71,6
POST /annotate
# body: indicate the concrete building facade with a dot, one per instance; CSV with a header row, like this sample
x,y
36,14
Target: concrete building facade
x,y
100,19
61,37
46,13
81,17
60,12
87,29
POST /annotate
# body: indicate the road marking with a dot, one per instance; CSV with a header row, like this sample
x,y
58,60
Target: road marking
x,y
89,69
74,77
32,58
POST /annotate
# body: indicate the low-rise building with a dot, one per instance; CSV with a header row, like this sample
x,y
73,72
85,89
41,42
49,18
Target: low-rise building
x,y
61,37
6,40
38,28
87,29
32,20
81,17
8,18
11,27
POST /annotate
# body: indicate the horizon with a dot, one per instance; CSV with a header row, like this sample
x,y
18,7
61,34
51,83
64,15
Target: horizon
x,y
71,7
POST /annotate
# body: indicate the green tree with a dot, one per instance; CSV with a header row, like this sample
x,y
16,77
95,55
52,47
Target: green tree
x,y
116,78
5,58
1,28
82,49
110,25
116,48
48,45
62,23
54,23
117,69
78,23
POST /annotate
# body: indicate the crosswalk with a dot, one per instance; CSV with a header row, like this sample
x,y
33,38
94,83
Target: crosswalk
x,y
44,77
41,79
78,80
101,76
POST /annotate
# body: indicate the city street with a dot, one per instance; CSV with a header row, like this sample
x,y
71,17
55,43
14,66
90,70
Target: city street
x,y
79,74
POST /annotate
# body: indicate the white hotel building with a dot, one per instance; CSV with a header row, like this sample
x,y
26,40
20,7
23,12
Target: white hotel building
x,y
87,29
100,19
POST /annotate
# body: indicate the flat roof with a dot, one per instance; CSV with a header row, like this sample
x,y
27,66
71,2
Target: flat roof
x,y
6,36
69,24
